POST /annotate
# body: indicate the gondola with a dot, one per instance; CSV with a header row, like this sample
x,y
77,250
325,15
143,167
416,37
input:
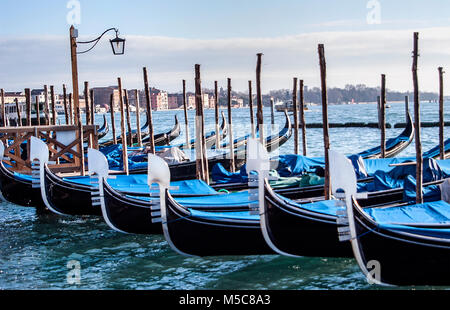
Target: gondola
x,y
199,233
187,170
104,130
144,130
395,145
72,195
395,250
18,189
210,138
165,138
435,152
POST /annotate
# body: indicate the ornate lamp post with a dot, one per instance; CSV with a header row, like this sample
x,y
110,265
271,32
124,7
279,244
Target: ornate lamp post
x,y
118,48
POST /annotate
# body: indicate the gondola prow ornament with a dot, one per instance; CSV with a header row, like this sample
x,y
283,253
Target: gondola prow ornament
x,y
344,186
39,157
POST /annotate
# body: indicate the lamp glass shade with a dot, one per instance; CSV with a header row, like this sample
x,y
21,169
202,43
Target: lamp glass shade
x,y
118,46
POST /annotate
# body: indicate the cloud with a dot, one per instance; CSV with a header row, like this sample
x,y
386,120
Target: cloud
x,y
357,57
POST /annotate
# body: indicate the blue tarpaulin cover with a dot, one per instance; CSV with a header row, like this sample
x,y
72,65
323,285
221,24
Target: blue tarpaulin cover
x,y
232,200
138,184
244,215
435,152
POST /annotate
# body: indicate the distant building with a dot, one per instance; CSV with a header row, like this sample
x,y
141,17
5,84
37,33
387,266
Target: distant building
x,y
160,100
173,102
102,96
191,102
212,102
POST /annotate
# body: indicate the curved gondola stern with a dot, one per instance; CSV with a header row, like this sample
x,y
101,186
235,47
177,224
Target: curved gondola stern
x,y
98,171
39,157
344,186
2,156
159,172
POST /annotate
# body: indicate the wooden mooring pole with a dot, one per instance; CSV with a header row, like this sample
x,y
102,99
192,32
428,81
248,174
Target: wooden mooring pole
x,y
71,113
419,155
383,115
216,109
46,106
53,103
295,106
250,104
81,137
28,105
230,126
138,118
326,137
86,103
2,98
113,119
19,118
149,112
186,118
272,113
127,105
259,100
200,163
91,97
38,112
441,113
122,128
406,108
66,112
302,118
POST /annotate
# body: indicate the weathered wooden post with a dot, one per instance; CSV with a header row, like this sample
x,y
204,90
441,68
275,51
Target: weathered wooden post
x,y
71,112
230,126
250,103
91,95
86,103
186,119
127,105
379,111
295,106
113,120
28,105
200,164
122,128
383,115
419,155
259,100
216,109
272,113
406,108
46,106
138,118
302,118
441,113
81,137
149,113
53,102
38,112
326,137
2,97
19,118
66,112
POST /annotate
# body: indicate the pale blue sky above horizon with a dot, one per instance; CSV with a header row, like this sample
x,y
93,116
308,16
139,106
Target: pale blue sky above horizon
x,y
224,36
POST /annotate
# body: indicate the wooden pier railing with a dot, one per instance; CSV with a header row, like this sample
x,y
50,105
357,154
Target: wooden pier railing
x,y
64,143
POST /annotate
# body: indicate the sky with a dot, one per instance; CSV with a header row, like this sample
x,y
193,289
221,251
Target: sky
x,y
363,39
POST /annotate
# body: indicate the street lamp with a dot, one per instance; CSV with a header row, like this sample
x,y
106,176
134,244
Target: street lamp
x,y
118,48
